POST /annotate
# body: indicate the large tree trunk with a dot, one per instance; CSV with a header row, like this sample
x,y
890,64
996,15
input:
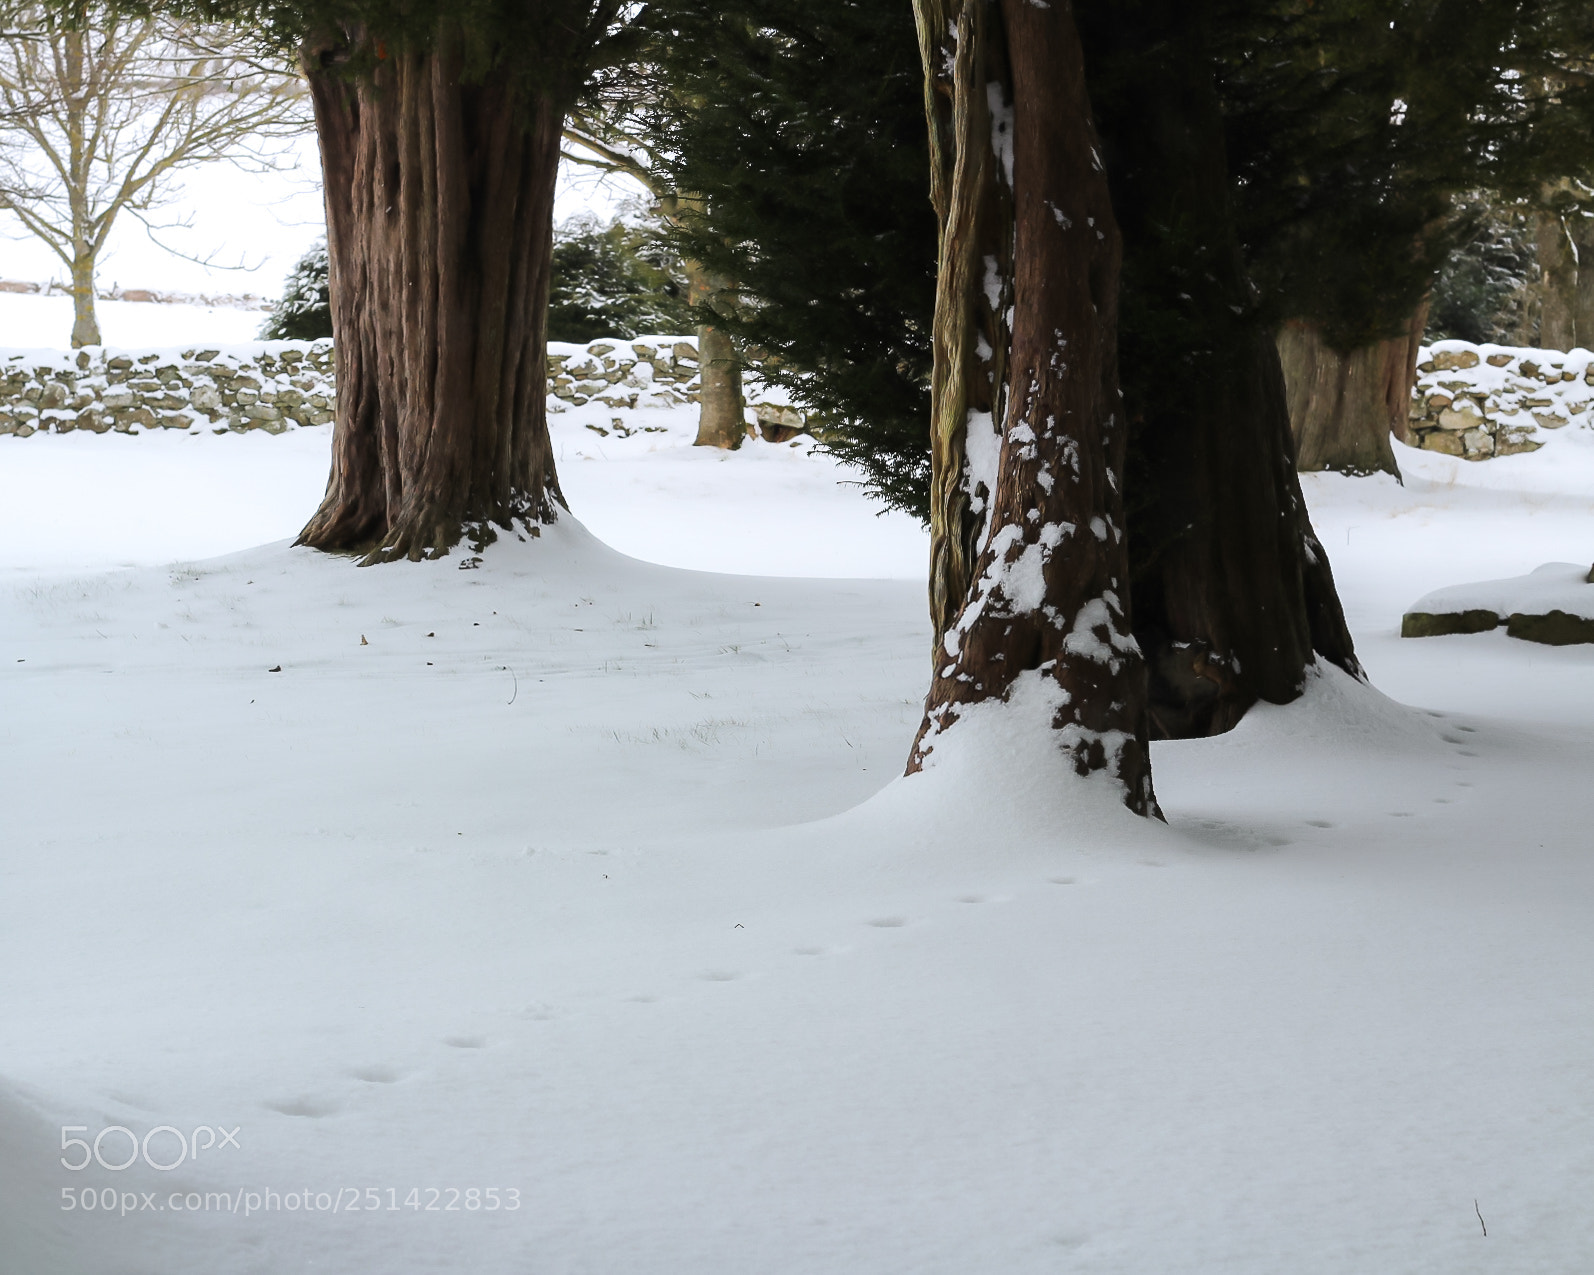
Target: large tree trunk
x,y
1344,405
439,198
1046,597
1558,289
1233,592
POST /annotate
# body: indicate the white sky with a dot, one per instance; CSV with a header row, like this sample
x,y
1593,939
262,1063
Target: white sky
x,y
252,227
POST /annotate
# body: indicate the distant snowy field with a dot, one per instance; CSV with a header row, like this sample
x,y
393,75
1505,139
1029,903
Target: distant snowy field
x,y
585,877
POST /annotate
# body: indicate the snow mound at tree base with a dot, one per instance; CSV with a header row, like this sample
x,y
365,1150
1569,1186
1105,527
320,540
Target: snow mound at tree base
x,y
996,788
1553,605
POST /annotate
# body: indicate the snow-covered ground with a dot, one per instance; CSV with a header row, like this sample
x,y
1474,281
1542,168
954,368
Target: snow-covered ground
x,y
588,882
30,321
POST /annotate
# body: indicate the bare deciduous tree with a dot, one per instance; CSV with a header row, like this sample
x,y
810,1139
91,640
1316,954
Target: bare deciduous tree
x,y
104,109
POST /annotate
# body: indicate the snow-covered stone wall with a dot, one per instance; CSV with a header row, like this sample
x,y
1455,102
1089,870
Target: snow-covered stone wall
x,y
656,371
1478,401
274,385
269,385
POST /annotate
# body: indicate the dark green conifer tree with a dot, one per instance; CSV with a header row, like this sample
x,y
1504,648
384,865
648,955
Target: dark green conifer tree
x,y
799,129
614,280
304,311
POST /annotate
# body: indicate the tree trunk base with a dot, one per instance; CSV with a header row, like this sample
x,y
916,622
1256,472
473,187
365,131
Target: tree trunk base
x,y
1344,406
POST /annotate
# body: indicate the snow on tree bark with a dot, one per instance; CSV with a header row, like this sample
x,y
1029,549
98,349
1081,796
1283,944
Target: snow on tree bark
x,y
1031,561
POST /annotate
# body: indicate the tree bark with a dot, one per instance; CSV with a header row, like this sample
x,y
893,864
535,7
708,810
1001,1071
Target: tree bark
x,y
85,320
1015,161
1233,593
1581,226
970,334
721,409
439,198
1344,405
1559,287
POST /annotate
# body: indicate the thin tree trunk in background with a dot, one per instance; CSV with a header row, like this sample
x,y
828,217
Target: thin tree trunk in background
x,y
721,409
439,197
1046,597
722,412
1559,286
1233,593
1344,405
1581,225
85,322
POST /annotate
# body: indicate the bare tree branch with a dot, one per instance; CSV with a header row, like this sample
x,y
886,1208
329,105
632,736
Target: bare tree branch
x,y
100,119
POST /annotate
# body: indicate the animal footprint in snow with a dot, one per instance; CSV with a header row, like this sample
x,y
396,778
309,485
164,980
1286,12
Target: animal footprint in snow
x,y
719,976
465,1042
375,1075
1318,823
308,1107
1063,880
888,922
809,951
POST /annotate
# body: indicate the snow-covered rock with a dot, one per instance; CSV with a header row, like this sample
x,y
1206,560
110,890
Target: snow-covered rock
x,y
1553,605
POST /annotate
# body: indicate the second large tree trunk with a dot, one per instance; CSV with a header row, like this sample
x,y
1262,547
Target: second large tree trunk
x,y
1345,405
1233,594
439,198
1014,162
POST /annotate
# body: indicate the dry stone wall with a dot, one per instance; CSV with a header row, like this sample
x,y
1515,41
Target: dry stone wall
x,y
1479,401
650,372
276,385
269,385
659,371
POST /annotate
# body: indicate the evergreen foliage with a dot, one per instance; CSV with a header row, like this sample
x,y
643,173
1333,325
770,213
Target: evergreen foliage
x,y
799,129
1482,291
615,280
607,281
549,46
1354,125
304,312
